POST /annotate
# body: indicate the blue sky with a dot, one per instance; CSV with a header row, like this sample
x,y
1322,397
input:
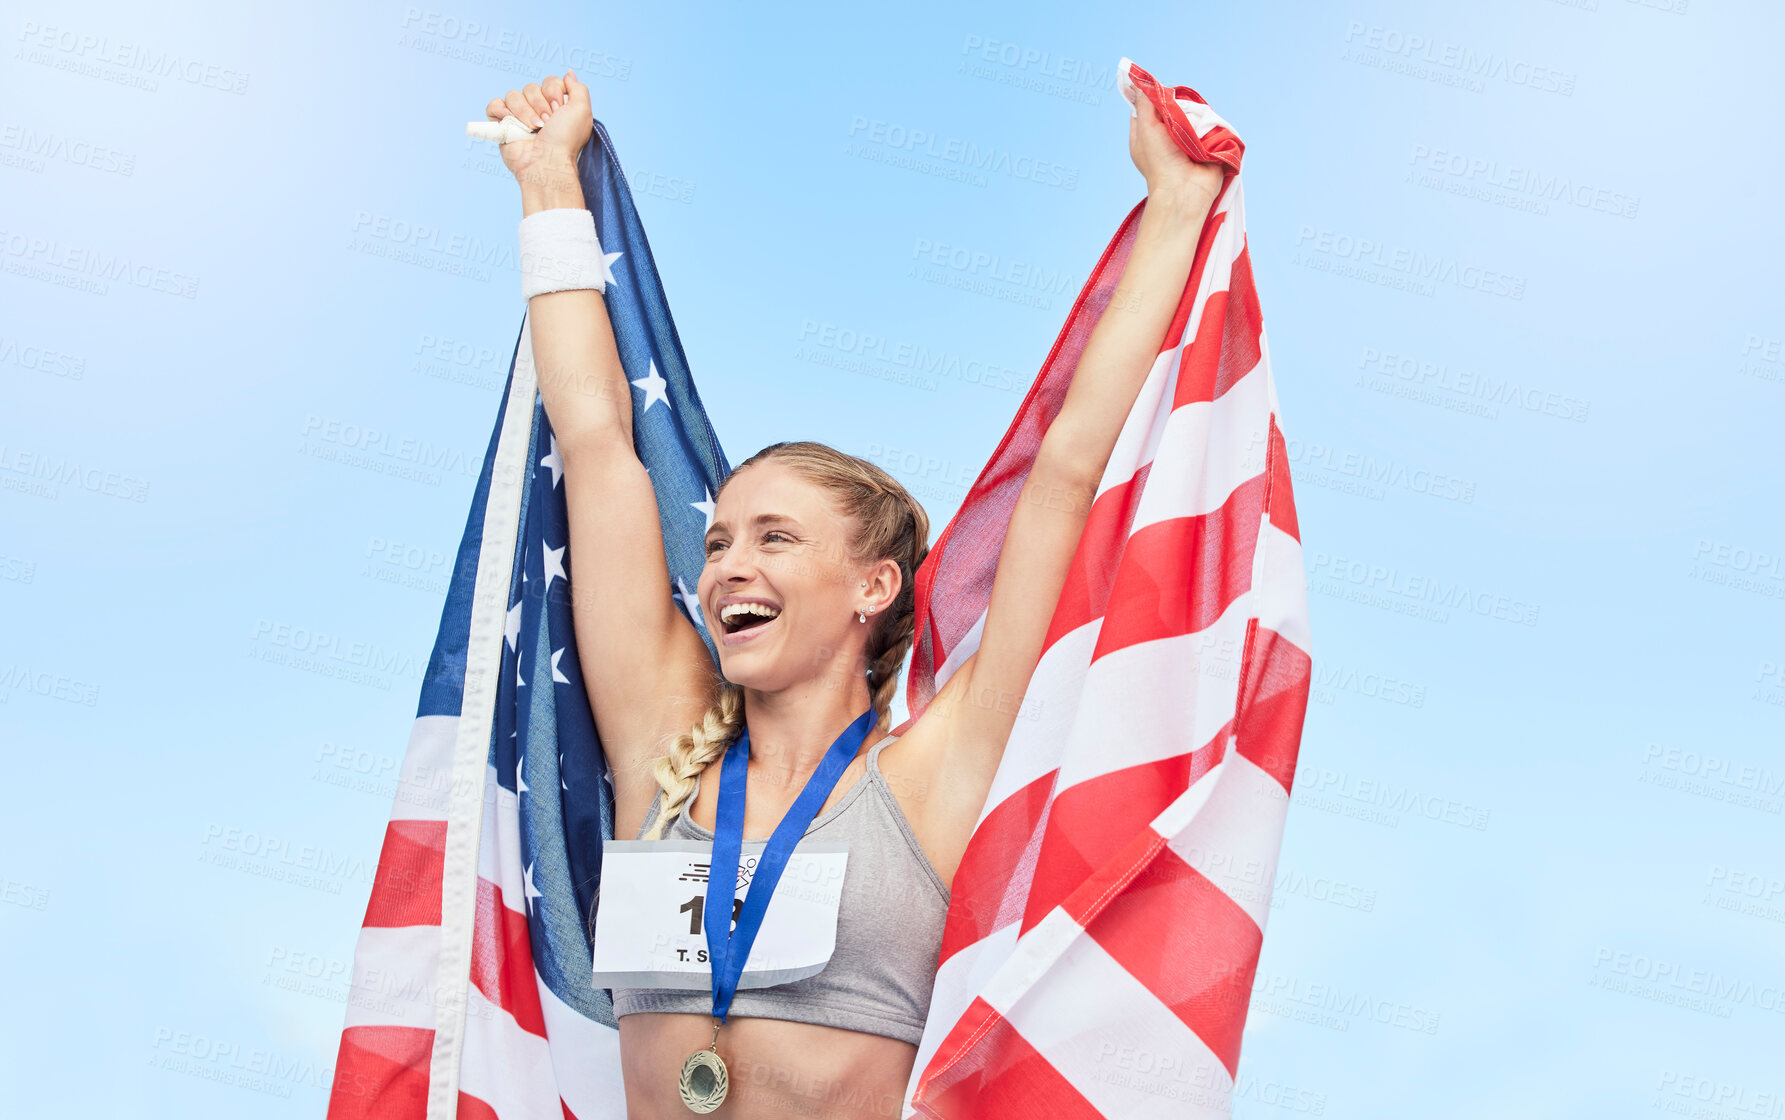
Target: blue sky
x,y
1519,266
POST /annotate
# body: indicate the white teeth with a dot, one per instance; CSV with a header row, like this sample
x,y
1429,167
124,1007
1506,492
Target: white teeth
x,y
730,612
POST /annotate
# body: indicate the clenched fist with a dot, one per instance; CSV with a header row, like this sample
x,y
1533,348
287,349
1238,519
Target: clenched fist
x,y
1166,168
559,109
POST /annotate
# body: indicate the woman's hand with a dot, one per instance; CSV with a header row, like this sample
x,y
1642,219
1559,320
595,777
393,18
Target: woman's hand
x,y
561,106
1167,169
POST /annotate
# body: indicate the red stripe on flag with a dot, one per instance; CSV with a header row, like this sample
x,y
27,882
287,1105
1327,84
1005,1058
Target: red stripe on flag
x,y
1085,595
980,899
1205,244
1273,702
1281,499
1091,823
1200,367
1177,576
1192,946
985,1068
1242,326
406,886
502,959
381,1073
470,1108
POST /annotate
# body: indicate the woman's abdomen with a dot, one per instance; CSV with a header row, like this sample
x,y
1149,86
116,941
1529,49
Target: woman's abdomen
x,y
779,1069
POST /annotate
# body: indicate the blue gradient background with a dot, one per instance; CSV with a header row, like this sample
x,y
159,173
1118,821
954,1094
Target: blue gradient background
x,y
195,803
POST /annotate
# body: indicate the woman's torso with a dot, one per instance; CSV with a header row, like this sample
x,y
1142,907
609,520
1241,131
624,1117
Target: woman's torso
x,y
868,1003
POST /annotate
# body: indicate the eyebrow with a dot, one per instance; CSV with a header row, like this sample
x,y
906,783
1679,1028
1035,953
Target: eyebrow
x,y
759,519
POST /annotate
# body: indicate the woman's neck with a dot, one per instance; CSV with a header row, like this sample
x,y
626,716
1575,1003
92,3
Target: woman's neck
x,y
791,730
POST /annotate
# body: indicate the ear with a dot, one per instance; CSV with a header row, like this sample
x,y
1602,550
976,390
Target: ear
x,y
884,584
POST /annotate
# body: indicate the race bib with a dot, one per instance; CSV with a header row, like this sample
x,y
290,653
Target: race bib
x,y
650,927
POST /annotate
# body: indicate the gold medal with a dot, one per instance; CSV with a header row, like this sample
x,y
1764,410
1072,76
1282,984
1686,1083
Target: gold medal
x,y
704,1077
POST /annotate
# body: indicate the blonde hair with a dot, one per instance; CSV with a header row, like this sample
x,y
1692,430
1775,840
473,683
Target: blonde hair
x,y
889,525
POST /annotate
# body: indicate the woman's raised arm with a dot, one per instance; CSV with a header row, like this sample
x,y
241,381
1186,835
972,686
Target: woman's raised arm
x,y
647,671
979,711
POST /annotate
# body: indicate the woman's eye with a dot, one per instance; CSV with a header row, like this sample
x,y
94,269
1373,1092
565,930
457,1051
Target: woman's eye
x,y
773,533
711,545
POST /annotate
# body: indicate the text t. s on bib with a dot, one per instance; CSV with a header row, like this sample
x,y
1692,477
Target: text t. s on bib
x,y
648,920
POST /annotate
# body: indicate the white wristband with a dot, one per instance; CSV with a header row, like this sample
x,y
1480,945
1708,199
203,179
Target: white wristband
x,y
560,251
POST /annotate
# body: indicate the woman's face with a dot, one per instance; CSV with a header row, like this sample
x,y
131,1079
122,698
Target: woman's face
x,y
778,542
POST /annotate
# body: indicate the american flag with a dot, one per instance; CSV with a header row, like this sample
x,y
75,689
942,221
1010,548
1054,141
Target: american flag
x,y
472,993
1107,915
1106,919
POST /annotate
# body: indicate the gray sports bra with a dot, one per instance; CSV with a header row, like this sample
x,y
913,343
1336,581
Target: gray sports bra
x,y
889,925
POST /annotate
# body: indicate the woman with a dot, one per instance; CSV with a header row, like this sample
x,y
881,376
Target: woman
x,y
808,592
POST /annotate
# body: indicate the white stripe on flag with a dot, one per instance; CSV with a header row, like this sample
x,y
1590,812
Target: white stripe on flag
x,y
394,978
1283,601
1228,438
957,983
505,1067
1199,673
1036,745
1227,827
586,1060
1120,1047
499,857
1139,438
425,785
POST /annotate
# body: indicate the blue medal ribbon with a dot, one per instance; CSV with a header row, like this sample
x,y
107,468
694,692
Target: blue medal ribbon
x,y
727,950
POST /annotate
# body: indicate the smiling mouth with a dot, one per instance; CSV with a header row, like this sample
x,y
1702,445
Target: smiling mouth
x,y
740,617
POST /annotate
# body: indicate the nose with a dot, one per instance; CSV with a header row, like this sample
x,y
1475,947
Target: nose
x,y
734,568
